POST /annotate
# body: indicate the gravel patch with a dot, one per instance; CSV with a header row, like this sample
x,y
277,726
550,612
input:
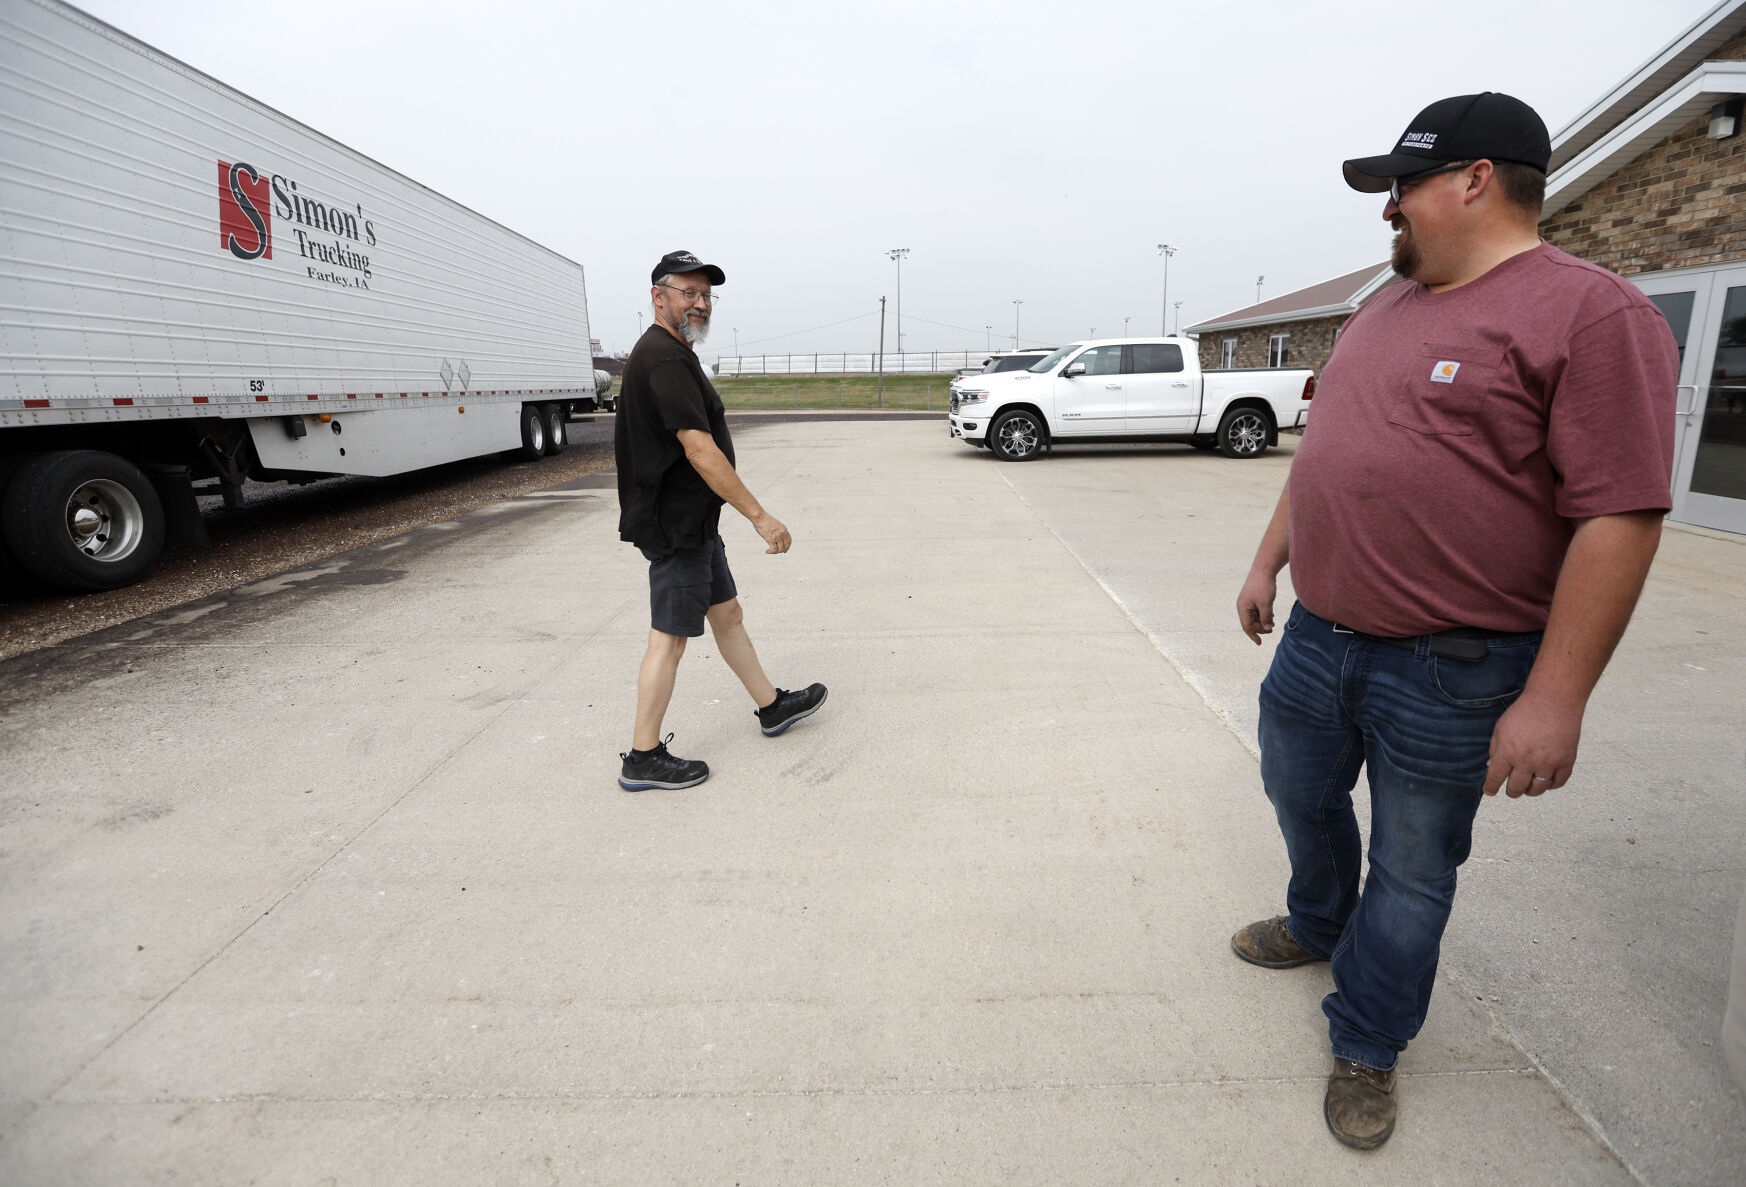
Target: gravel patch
x,y
279,527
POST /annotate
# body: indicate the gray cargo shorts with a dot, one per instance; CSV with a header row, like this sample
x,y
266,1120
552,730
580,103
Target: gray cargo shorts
x,y
685,584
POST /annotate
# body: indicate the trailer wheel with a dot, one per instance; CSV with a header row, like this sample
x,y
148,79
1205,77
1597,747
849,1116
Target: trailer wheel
x,y
83,520
533,434
556,435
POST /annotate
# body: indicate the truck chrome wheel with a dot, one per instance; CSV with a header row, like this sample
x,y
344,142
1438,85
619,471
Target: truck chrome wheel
x,y
1016,437
1243,433
104,520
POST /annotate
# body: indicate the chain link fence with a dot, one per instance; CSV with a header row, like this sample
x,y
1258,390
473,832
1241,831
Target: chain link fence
x,y
816,394
934,362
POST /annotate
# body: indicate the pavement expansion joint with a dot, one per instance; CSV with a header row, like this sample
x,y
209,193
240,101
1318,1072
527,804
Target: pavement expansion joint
x,y
864,1091
1586,1117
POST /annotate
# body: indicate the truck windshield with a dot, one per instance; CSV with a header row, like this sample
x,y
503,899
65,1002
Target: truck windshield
x,y
1054,360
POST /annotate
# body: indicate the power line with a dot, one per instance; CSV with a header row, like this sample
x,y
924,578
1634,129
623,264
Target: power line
x,y
945,325
813,330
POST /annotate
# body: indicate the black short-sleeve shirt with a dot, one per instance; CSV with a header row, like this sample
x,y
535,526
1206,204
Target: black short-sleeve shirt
x,y
663,504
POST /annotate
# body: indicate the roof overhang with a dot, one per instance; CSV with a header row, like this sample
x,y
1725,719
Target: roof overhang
x,y
1707,34
1240,323
1282,316
1658,119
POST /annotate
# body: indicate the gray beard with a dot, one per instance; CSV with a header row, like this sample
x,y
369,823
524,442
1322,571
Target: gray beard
x,y
693,332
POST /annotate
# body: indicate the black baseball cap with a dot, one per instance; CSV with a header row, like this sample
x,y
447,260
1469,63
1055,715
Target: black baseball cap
x,y
1464,128
684,261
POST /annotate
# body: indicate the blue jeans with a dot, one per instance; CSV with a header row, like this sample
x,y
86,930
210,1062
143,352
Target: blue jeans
x,y
1421,725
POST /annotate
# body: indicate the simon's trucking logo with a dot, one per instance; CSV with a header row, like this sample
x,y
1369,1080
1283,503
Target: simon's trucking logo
x,y
248,202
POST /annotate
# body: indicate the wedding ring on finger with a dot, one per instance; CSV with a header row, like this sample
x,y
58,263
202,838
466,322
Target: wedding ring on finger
x,y
1542,778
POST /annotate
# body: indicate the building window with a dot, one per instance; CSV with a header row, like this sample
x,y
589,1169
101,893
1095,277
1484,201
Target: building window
x,y
1229,357
1278,350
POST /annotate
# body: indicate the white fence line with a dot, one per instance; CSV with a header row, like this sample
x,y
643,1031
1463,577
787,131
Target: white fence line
x,y
933,362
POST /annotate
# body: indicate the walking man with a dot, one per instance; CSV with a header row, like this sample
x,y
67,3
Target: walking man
x,y
1469,520
675,470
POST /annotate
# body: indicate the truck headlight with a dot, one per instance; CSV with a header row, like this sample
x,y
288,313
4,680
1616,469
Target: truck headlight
x,y
971,397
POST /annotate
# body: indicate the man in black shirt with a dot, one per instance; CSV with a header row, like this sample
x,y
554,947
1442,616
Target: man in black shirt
x,y
675,470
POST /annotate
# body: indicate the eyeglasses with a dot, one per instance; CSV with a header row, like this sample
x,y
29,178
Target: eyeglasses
x,y
694,296
1394,187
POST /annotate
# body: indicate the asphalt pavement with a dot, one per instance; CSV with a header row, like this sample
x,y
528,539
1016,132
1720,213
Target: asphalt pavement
x,y
327,879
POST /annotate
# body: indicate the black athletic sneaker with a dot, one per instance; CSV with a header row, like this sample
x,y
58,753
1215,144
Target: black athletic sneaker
x,y
660,769
788,708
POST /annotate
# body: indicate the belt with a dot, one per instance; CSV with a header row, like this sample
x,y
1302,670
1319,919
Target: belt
x,y
1459,642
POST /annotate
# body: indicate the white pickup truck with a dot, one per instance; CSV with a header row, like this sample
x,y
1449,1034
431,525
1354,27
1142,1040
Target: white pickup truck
x,y
1129,389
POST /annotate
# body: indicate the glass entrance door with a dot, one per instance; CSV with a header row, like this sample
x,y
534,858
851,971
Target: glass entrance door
x,y
1707,313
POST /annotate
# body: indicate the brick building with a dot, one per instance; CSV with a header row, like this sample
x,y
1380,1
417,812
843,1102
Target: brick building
x,y
1650,181
1296,330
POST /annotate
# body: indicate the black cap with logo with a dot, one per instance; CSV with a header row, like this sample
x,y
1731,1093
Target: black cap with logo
x,y
684,261
1464,128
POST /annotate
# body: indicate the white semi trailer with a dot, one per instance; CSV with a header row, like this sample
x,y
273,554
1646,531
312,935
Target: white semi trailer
x,y
194,286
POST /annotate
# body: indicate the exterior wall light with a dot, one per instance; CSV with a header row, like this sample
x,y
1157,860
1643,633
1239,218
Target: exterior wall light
x,y
1725,119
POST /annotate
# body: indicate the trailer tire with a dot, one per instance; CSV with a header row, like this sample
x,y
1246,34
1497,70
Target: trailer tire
x,y
83,520
533,434
556,435
12,576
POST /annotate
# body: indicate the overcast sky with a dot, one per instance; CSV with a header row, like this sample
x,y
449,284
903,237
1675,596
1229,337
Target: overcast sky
x,y
1020,151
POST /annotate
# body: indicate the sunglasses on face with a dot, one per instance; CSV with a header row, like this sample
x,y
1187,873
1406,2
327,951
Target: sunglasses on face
x,y
1397,187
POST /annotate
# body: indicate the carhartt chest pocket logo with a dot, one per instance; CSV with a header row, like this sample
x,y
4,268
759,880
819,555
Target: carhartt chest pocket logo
x,y
1444,407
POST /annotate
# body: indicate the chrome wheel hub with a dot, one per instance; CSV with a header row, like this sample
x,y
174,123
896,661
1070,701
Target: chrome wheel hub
x,y
104,520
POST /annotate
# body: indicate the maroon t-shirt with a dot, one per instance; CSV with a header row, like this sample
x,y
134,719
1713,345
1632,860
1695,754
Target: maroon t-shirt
x,y
1457,436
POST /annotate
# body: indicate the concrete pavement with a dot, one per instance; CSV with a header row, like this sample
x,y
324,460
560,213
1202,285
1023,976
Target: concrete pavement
x,y
328,880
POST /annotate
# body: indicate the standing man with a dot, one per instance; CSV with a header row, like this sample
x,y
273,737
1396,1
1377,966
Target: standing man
x,y
675,469
1469,520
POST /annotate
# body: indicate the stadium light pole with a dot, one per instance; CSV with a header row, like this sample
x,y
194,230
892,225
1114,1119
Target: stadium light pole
x,y
988,338
1165,250
1125,322
1015,320
1258,281
897,253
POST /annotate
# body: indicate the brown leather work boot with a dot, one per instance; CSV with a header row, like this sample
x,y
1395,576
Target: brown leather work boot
x,y
1360,1104
1268,944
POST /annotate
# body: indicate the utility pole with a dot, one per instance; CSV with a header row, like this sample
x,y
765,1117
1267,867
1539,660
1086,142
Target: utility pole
x,y
897,253
1258,281
1165,250
1015,320
989,336
1179,319
1125,322
882,352
639,323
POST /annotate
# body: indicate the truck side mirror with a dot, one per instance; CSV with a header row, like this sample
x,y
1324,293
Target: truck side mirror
x,y
1074,369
